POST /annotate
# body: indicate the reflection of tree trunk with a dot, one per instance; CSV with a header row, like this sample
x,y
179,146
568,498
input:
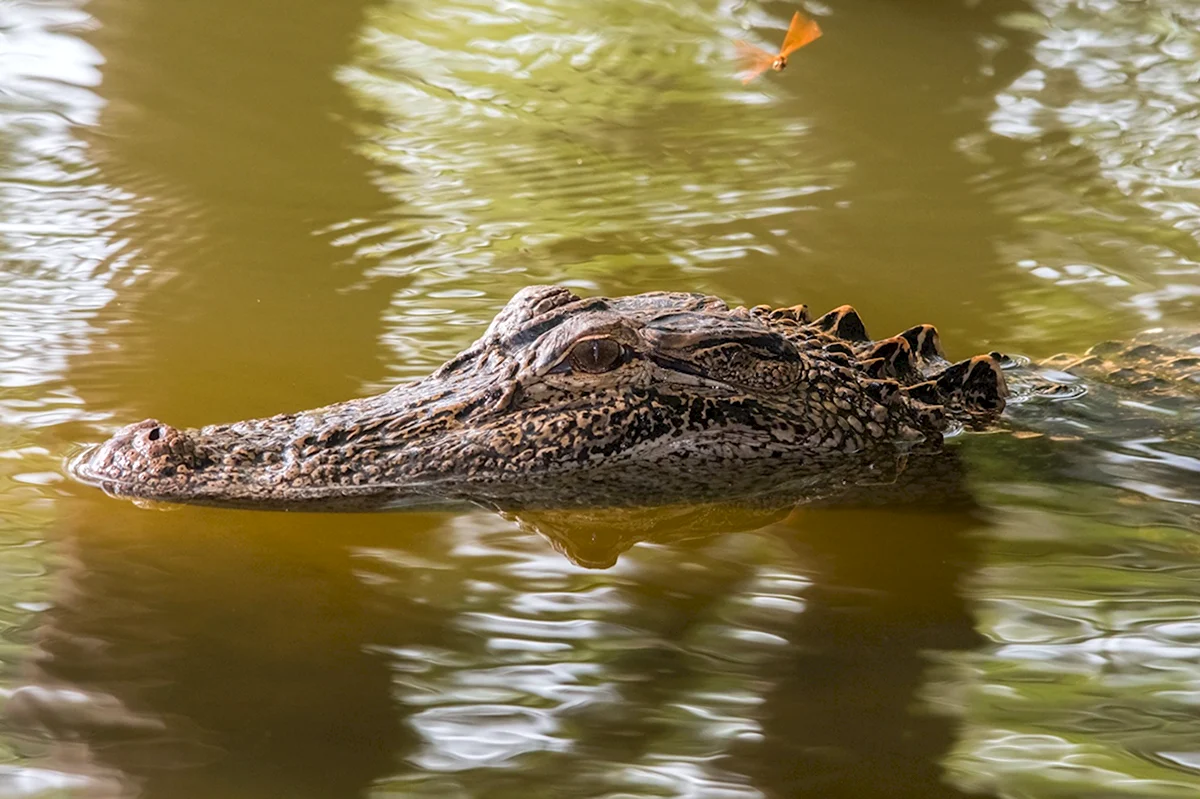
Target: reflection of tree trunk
x,y
216,655
224,119
202,639
844,719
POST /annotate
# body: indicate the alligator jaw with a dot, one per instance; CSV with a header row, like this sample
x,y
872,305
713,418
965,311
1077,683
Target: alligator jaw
x,y
136,455
361,454
151,461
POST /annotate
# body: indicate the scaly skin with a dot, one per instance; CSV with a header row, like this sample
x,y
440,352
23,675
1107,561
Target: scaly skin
x,y
570,401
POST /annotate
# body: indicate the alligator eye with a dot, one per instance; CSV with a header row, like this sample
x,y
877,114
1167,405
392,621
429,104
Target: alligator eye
x,y
595,355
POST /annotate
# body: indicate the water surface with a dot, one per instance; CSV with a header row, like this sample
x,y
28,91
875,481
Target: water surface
x,y
216,210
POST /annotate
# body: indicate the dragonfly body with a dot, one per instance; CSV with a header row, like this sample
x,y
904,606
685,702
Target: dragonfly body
x,y
755,60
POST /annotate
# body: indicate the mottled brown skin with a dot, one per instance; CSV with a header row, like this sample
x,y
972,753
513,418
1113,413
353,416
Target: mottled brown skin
x,y
1155,365
569,401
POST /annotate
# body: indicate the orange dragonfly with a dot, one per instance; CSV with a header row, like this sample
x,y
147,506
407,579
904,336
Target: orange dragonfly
x,y
755,60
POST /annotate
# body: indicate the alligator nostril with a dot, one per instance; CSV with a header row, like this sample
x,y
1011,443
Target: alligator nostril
x,y
155,434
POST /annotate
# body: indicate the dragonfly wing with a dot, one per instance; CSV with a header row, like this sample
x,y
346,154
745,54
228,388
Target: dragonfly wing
x,y
750,56
801,32
752,60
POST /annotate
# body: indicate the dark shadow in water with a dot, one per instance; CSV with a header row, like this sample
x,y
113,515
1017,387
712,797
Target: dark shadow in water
x,y
216,655
845,719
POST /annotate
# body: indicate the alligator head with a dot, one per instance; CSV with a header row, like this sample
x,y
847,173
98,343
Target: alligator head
x,y
571,401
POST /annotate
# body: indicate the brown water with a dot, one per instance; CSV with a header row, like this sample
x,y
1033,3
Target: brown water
x,y
221,209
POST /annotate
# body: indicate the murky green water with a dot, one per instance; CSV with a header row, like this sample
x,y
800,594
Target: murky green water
x,y
215,210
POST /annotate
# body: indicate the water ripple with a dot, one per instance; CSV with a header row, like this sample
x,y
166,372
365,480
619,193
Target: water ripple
x,y
58,260
548,657
1110,111
1094,662
52,227
547,147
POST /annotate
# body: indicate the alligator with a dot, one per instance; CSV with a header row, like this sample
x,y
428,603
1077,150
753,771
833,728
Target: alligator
x,y
568,401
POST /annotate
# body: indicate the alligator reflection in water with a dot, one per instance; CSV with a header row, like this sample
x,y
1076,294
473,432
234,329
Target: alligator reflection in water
x,y
595,538
145,686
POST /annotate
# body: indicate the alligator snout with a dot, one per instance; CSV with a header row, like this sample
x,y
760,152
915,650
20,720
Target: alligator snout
x,y
145,451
